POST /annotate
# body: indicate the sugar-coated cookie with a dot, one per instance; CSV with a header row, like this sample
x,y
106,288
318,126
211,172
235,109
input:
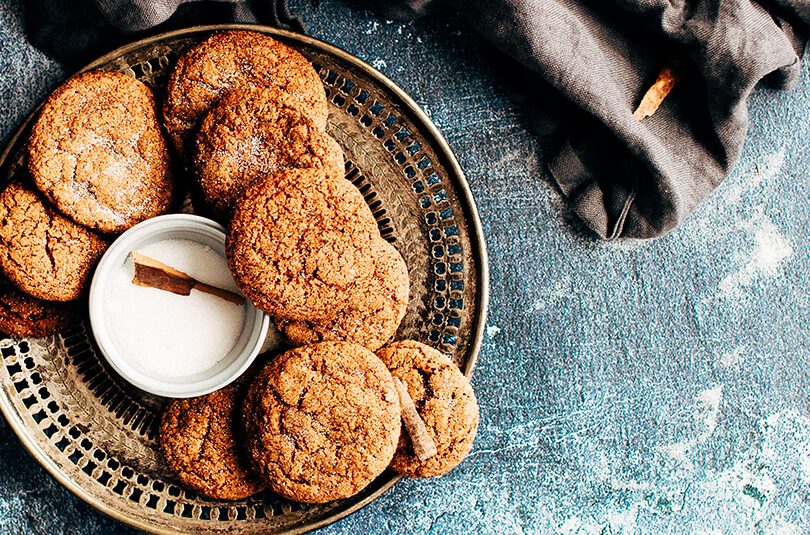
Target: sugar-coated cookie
x,y
445,401
252,133
322,421
208,71
200,441
42,252
97,152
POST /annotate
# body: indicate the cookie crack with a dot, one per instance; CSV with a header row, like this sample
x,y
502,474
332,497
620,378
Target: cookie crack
x,y
429,393
49,252
204,440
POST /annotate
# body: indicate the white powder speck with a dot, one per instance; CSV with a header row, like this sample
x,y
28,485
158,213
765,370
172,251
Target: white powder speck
x,y
379,63
732,358
623,521
779,526
770,168
170,335
707,412
492,330
576,525
770,249
559,292
711,400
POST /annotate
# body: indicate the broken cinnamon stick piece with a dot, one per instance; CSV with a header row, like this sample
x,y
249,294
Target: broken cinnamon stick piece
x,y
152,273
423,445
656,94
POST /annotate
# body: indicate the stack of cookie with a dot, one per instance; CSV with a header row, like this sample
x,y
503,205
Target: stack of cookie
x,y
241,106
305,248
247,115
98,164
320,422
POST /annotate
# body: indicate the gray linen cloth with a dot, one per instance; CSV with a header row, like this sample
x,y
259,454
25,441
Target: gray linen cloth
x,y
581,68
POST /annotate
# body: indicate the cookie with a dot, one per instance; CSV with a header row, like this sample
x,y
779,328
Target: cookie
x,y
322,421
335,158
24,316
207,72
307,249
199,438
445,401
373,314
97,152
252,133
43,253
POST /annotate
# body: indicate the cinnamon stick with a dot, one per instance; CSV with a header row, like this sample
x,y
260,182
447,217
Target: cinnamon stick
x,y
151,273
656,94
423,445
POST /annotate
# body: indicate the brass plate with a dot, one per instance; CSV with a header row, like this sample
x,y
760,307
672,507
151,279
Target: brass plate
x,y
96,434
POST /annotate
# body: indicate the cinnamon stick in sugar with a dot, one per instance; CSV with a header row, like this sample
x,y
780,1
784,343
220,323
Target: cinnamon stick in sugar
x,y
152,273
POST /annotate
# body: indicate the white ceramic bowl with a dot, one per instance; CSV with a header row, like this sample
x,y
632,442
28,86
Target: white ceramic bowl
x,y
174,226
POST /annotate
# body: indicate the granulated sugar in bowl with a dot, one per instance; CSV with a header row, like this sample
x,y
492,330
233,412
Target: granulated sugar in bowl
x,y
164,343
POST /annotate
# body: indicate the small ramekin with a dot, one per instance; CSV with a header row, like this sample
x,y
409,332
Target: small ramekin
x,y
174,226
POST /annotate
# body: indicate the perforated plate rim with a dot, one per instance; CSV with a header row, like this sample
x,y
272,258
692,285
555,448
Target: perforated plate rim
x,y
455,175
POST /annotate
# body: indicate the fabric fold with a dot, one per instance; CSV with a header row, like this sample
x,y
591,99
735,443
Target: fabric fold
x,y
622,177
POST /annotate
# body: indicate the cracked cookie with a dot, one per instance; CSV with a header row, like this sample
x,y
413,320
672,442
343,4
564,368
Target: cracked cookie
x,y
24,316
306,249
43,253
254,132
208,71
445,402
97,153
322,421
198,438
372,315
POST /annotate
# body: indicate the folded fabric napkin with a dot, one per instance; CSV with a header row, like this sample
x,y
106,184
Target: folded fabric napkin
x,y
580,67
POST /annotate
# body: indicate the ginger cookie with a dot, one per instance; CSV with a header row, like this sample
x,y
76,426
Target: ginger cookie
x,y
199,438
373,314
43,253
252,133
445,401
335,158
306,249
24,316
97,152
207,72
322,421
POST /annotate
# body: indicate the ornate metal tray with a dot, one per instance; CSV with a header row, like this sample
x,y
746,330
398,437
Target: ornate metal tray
x,y
96,434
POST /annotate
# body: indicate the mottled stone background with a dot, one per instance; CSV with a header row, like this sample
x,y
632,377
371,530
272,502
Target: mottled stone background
x,y
624,387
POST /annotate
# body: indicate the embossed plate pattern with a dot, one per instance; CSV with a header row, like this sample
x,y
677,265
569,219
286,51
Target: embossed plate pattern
x,y
96,434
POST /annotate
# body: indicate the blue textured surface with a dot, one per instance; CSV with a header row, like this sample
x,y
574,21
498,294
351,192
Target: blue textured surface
x,y
624,387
